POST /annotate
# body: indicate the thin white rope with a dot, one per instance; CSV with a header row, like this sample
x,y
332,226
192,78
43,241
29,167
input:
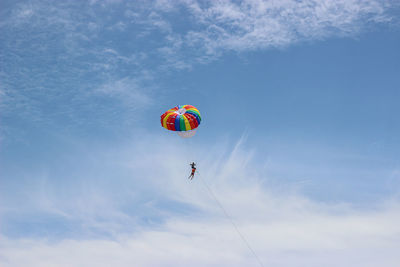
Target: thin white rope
x,y
231,220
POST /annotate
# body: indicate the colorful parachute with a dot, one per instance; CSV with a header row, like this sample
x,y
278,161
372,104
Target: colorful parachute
x,y
184,119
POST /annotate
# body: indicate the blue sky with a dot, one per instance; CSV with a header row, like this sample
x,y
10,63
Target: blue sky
x,y
299,138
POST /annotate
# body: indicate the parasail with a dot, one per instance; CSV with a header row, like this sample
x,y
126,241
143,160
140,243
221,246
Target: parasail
x,y
184,119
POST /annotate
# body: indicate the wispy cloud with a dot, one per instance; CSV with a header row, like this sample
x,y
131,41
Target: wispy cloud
x,y
284,227
253,25
129,91
313,240
57,59
208,29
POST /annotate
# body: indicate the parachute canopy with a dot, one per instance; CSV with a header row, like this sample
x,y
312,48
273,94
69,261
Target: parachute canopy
x,y
183,119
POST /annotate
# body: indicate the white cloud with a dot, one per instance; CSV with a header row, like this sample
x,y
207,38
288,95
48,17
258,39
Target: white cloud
x,y
258,24
129,91
314,240
284,228
207,28
211,28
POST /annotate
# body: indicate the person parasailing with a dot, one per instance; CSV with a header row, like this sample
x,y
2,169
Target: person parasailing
x,y
184,120
193,165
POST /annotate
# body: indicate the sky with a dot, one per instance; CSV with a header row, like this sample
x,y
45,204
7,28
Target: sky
x,y
299,140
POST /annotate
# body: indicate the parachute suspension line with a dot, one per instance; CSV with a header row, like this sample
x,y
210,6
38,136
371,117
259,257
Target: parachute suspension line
x,y
191,151
231,220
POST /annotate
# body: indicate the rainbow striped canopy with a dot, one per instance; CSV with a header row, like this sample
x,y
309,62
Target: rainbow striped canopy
x,y
181,118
